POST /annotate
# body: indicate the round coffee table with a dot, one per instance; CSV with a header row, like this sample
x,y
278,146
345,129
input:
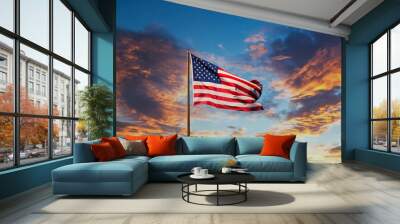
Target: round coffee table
x,y
238,179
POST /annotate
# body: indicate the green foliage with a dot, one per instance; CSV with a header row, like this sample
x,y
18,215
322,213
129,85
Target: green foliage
x,y
96,102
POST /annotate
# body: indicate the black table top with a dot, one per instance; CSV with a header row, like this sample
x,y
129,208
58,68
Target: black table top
x,y
220,178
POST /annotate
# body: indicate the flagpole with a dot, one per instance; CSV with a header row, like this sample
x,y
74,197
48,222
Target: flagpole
x,y
188,93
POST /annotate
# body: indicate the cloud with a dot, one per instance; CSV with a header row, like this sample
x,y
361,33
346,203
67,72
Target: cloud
x,y
229,131
257,50
313,92
321,73
297,48
281,57
221,46
310,123
151,90
256,47
255,38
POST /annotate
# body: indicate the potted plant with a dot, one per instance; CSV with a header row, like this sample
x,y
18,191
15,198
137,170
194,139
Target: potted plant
x,y
96,103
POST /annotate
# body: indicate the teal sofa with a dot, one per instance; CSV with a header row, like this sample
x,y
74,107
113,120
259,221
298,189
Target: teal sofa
x,y
125,176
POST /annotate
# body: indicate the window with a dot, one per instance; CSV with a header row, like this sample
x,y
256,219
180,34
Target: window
x,y
385,91
3,72
62,137
3,61
38,89
44,91
38,73
6,73
30,72
30,87
3,78
81,81
81,45
62,31
7,14
35,21
41,123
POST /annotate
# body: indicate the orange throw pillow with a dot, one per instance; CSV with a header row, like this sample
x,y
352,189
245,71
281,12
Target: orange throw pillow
x,y
161,145
277,145
103,152
116,145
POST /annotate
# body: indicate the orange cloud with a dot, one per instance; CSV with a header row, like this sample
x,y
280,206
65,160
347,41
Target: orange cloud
x,y
312,122
257,50
258,37
314,94
321,73
151,90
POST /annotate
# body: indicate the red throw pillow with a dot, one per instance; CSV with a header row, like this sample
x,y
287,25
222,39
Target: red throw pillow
x,y
103,152
161,145
116,145
277,145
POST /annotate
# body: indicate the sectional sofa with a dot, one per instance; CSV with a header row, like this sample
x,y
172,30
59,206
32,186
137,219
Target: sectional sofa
x,y
125,176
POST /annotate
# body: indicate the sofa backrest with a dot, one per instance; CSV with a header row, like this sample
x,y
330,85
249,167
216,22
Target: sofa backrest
x,y
206,145
249,145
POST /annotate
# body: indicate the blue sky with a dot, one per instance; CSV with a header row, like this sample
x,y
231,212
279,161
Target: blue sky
x,y
299,70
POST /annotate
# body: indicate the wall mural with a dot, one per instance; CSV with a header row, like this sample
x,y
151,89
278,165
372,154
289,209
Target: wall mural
x,y
299,72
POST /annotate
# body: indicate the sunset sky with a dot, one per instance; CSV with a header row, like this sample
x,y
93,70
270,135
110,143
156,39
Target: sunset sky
x,y
300,71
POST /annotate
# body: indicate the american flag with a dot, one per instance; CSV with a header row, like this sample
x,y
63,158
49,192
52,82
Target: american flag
x,y
216,87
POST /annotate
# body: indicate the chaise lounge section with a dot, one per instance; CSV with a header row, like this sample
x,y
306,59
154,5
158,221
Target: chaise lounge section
x,y
125,176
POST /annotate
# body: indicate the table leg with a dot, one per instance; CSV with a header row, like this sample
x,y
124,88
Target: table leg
x,y
195,188
245,193
188,190
217,194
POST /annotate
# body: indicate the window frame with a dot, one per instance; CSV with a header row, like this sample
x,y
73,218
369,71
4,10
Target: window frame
x,y
16,114
388,74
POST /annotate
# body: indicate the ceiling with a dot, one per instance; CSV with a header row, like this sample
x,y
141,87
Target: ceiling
x,y
327,16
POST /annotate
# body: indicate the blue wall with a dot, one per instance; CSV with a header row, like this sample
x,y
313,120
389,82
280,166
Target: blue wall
x,y
356,74
103,61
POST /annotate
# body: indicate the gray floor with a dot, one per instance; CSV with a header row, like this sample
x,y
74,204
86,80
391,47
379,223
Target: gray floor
x,y
377,188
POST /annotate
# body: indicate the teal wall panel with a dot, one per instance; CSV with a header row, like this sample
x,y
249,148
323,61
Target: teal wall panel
x,y
103,61
24,178
356,72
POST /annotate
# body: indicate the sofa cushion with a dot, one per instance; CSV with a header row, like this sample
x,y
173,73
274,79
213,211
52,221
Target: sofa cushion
x,y
185,163
249,145
112,171
257,163
206,145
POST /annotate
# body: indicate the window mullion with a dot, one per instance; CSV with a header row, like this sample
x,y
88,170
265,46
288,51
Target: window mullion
x,y
16,85
389,101
73,82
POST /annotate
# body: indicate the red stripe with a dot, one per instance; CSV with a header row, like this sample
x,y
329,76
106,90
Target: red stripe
x,y
221,106
222,98
247,83
221,90
241,88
